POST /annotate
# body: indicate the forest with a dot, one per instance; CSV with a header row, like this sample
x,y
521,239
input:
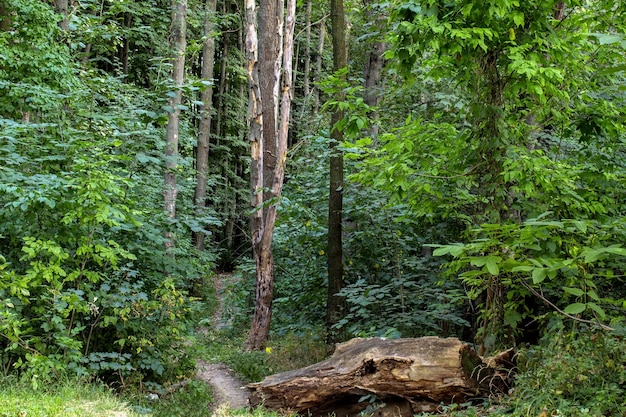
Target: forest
x,y
251,182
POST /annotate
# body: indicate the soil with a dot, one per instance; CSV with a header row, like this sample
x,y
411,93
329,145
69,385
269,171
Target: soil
x,y
228,390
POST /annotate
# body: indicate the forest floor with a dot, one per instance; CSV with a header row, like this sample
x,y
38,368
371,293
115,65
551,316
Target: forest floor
x,y
228,390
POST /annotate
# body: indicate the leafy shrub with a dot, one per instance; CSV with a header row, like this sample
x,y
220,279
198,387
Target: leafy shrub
x,y
577,373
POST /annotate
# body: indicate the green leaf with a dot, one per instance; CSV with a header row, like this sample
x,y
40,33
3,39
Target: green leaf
x,y
539,274
522,268
615,250
575,308
574,291
492,265
512,318
599,311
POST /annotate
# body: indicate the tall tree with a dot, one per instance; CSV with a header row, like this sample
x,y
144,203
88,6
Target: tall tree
x,y
318,64
204,130
178,46
374,61
307,49
268,139
335,303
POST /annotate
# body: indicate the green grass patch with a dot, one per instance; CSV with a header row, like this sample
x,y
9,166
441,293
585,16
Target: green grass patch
x,y
64,399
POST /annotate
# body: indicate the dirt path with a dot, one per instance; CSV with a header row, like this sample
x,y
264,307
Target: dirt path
x,y
228,390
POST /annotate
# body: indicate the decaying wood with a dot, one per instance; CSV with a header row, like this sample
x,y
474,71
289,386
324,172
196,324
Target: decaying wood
x,y
408,375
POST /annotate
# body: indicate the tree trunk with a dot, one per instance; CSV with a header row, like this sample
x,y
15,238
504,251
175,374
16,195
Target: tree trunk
x,y
61,7
411,375
372,73
204,130
222,90
307,49
178,45
270,50
335,303
318,64
267,169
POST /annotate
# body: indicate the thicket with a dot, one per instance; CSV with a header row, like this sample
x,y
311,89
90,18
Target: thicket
x,y
84,283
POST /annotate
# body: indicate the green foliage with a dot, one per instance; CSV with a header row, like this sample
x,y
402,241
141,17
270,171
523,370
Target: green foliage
x,y
572,374
193,399
82,274
573,264
489,146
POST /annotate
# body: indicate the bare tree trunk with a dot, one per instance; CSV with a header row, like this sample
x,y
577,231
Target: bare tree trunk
x,y
318,64
335,303
267,170
178,45
204,130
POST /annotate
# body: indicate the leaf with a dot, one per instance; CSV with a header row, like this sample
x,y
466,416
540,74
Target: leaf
x,y
539,274
606,39
580,225
597,309
512,318
492,265
454,249
522,268
615,250
575,308
591,255
574,291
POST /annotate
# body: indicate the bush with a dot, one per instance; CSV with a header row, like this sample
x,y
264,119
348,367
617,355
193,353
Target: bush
x,y
573,374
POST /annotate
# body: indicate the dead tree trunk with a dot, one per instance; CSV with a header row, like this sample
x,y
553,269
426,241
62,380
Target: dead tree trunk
x,y
410,375
268,139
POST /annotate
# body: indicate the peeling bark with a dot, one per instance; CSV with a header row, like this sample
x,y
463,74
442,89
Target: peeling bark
x,y
268,139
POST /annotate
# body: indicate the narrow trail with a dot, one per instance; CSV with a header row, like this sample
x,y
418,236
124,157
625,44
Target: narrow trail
x,y
228,390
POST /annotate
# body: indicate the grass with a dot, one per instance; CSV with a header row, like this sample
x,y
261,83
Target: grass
x,y
76,398
64,399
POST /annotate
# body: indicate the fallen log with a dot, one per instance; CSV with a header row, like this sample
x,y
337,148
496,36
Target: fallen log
x,y
403,376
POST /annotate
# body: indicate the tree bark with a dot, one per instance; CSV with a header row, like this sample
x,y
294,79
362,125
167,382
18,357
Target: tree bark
x,y
270,18
204,130
372,73
318,64
178,45
61,7
307,49
266,191
335,303
416,375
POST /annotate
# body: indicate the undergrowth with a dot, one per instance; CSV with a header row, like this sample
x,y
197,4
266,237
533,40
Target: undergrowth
x,y
570,374
283,353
